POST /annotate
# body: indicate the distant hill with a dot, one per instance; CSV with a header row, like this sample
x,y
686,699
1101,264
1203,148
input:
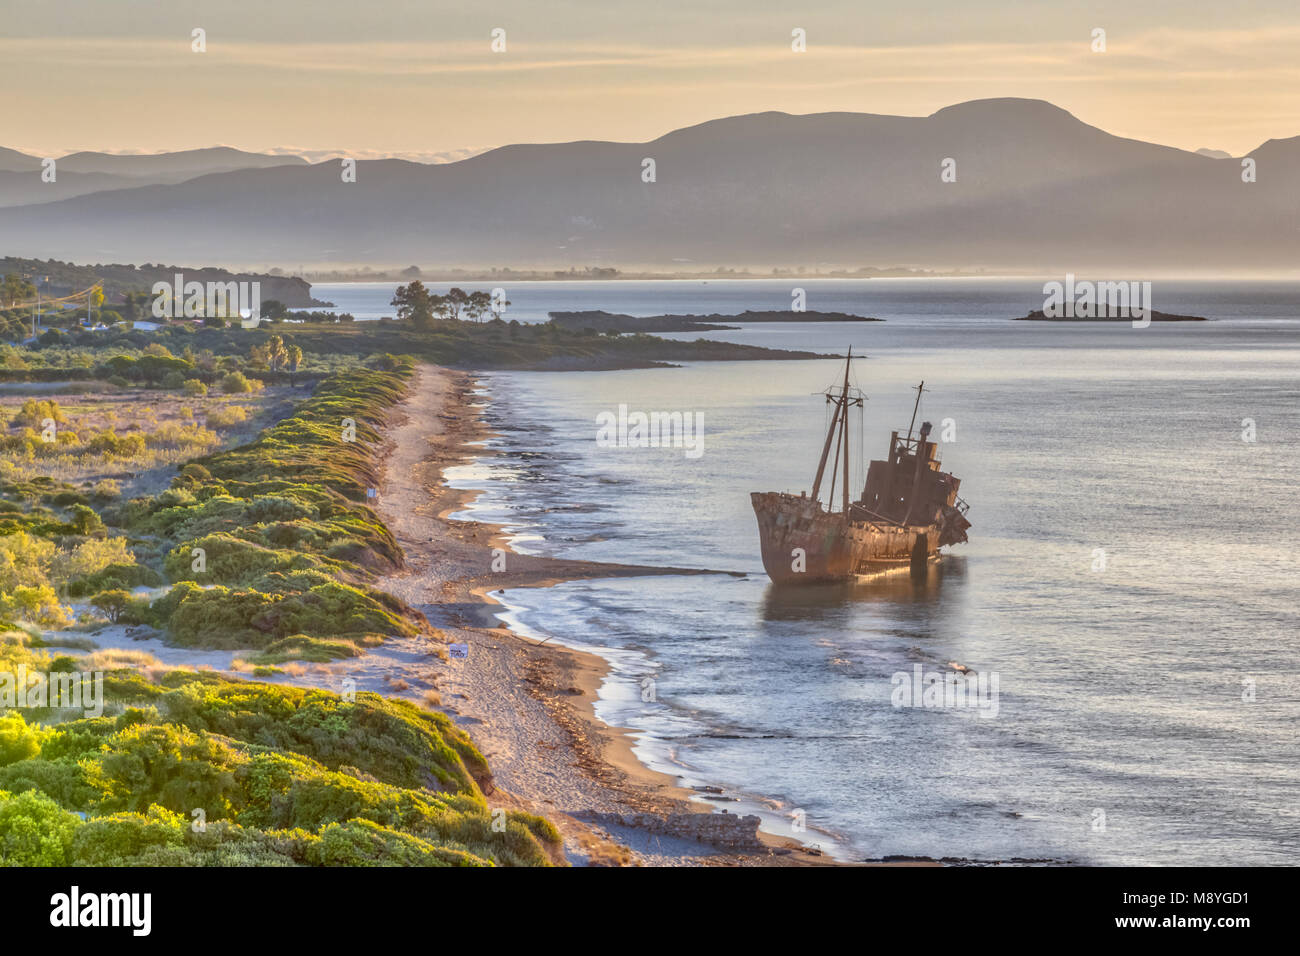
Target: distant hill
x,y
11,159
78,174
1035,189
188,163
64,278
24,188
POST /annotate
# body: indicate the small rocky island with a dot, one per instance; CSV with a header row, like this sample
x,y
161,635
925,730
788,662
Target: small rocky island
x,y
600,321
1040,316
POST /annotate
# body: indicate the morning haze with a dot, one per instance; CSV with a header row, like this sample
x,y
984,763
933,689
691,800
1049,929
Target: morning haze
x,y
1000,184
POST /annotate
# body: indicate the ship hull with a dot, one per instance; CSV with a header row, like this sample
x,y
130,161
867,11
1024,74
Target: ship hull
x,y
803,544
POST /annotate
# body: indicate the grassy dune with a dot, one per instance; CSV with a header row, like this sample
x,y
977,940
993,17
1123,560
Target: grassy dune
x,y
198,770
267,546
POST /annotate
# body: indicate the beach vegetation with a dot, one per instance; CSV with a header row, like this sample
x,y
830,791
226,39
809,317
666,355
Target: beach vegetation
x,y
283,776
269,547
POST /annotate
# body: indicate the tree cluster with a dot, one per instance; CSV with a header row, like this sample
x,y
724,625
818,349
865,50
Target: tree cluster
x,y
415,303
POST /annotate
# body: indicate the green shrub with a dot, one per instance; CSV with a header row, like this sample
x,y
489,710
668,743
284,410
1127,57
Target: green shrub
x,y
63,780
35,412
35,831
363,843
115,577
107,489
235,383
155,837
231,560
300,647
85,521
111,603
225,416
18,739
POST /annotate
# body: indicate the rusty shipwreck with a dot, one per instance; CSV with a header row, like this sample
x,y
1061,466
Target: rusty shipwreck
x,y
907,511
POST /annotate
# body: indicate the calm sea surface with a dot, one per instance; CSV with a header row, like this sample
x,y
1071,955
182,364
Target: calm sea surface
x,y
1131,577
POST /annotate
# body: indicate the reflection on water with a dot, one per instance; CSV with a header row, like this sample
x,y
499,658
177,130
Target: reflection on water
x,y
796,602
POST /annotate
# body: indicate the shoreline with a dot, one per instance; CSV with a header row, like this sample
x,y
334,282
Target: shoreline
x,y
531,708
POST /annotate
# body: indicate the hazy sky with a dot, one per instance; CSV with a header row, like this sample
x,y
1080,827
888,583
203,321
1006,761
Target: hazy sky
x,y
418,77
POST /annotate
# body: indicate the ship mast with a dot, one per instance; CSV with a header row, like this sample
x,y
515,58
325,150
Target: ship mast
x,y
919,389
839,421
916,453
844,432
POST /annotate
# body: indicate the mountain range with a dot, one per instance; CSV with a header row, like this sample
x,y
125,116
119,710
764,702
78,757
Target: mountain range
x,y
1035,189
81,173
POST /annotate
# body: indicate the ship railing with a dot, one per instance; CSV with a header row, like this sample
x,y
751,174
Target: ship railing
x,y
912,446
856,508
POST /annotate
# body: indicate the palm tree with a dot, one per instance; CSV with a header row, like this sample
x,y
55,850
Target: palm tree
x,y
275,354
293,358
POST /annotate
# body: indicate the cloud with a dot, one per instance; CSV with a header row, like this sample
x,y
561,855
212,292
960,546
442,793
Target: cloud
x,y
414,156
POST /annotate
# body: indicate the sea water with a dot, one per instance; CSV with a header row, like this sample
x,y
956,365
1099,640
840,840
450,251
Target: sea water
x,y
1131,575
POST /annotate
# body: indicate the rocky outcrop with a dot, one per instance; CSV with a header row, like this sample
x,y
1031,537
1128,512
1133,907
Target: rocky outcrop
x,y
726,831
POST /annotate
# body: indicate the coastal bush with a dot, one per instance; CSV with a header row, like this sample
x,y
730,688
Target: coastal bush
x,y
94,555
282,530
34,830
232,561
19,740
222,617
269,508
115,576
415,798
364,843
85,521
301,647
39,605
111,604
61,779
180,515
107,489
217,617
168,765
178,437
236,383
153,838
395,741
34,413
25,560
225,416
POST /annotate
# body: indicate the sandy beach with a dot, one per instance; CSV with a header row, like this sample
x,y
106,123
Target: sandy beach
x,y
529,708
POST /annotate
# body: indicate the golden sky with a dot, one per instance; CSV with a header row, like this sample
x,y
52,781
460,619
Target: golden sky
x,y
419,78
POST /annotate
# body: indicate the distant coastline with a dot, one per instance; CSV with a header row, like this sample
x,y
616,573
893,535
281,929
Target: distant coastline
x,y
601,321
610,274
1039,316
